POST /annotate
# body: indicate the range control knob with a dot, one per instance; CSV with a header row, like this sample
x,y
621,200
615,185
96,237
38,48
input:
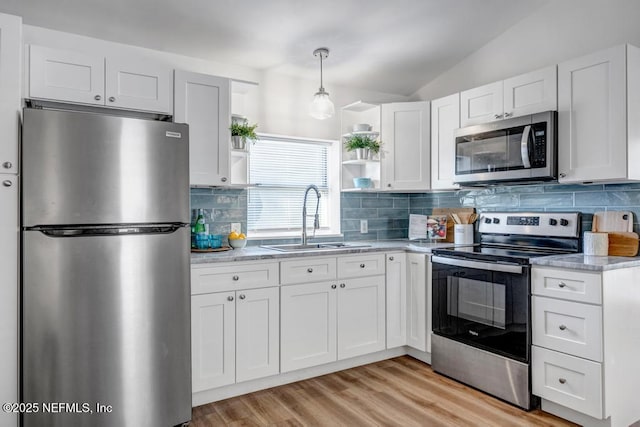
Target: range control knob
x,y
496,220
487,220
564,222
553,221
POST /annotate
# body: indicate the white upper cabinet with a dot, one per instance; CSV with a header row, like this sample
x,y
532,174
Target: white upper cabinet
x,y
528,93
10,48
598,106
69,76
405,135
203,102
445,118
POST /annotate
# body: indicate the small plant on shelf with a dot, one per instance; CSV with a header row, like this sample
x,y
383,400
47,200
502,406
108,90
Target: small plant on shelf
x,y
240,132
362,145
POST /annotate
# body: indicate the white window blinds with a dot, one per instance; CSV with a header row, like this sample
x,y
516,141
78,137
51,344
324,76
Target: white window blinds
x,y
282,168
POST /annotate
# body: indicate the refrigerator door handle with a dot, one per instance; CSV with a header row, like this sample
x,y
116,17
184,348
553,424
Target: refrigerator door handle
x,y
109,231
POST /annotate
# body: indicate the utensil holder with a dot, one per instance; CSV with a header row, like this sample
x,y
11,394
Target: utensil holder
x,y
463,234
596,244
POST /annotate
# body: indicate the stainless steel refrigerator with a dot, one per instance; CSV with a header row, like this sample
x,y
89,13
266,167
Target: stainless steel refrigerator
x,y
105,270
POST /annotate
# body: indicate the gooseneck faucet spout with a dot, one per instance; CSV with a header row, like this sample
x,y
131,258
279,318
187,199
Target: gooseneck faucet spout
x,y
316,218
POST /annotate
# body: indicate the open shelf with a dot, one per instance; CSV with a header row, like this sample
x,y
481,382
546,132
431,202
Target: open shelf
x,y
360,162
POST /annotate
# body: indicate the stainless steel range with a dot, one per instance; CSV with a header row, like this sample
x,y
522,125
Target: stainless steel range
x,y
482,300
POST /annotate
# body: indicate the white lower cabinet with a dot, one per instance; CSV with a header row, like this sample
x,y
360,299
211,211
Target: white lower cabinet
x,y
396,299
417,307
331,320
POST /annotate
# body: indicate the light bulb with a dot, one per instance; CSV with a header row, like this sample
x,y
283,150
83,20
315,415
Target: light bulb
x,y
321,107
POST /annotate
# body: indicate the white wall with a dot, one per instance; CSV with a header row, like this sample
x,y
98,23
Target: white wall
x,y
280,103
560,30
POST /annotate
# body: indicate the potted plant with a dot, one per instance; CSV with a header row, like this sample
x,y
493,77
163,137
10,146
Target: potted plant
x,y
240,132
363,145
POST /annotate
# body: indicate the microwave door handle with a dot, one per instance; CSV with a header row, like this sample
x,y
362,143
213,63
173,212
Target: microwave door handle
x,y
524,147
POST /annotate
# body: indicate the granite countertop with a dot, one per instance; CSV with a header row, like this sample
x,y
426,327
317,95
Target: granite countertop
x,y
587,262
252,253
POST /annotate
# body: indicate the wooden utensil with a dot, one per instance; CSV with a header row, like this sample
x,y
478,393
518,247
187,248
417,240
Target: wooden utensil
x,y
623,243
612,221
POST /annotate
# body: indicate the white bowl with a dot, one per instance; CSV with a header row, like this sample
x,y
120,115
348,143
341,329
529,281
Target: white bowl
x,y
362,127
237,243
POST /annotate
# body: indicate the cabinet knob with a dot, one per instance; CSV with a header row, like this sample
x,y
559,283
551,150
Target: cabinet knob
x,y
563,175
497,116
242,296
390,258
362,266
562,327
342,285
7,183
236,278
508,115
309,270
223,179
7,165
229,298
562,285
97,97
333,286
112,99
562,380
389,185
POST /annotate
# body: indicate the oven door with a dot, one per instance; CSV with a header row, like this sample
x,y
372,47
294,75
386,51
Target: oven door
x,y
483,304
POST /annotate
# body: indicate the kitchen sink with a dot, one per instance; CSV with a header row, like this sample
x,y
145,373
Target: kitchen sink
x,y
295,247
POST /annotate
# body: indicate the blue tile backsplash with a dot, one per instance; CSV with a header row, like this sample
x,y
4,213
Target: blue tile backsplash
x,y
388,213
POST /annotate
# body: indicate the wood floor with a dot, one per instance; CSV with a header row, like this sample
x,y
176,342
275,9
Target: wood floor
x,y
395,392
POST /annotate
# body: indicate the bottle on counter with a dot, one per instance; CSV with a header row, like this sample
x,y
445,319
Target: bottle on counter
x,y
202,240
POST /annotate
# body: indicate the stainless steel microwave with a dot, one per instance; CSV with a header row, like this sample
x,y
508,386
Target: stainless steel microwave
x,y
507,151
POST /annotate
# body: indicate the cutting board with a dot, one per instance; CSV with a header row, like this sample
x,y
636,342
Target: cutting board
x,y
612,221
463,212
623,244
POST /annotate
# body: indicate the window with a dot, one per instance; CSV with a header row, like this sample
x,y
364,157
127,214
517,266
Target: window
x,y
282,168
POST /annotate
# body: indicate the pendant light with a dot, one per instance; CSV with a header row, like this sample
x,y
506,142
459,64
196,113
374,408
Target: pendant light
x,y
321,107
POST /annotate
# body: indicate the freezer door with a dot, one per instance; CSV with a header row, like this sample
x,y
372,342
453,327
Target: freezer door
x,y
106,320
86,168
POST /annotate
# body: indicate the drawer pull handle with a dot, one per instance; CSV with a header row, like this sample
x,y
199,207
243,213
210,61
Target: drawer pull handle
x,y
562,285
229,298
342,285
236,278
390,258
562,327
362,266
242,296
309,270
333,286
562,380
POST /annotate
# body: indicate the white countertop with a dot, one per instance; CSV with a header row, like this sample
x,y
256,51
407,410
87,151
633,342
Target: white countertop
x,y
587,262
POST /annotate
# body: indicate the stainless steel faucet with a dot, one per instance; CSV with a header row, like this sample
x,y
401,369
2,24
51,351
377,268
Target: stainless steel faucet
x,y
316,218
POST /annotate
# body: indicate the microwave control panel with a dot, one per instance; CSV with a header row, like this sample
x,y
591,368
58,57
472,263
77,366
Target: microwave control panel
x,y
539,152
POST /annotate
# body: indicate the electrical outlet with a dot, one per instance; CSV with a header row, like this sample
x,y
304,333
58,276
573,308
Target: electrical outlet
x,y
364,226
237,227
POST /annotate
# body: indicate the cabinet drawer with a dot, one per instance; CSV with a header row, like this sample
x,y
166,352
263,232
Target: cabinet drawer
x,y
233,276
361,265
566,380
569,327
308,269
567,284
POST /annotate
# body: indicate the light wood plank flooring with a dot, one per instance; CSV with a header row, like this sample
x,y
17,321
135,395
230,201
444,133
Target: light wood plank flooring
x,y
396,392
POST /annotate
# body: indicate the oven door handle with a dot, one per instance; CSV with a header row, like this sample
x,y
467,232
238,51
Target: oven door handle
x,y
524,147
479,265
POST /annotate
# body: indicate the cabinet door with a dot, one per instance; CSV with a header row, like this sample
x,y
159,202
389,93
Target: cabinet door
x,y
361,316
257,333
202,101
531,93
592,116
396,300
213,343
405,133
8,294
308,325
416,301
445,118
10,71
138,85
62,75
481,104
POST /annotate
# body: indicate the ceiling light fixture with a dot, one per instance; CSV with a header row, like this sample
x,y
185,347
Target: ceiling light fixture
x,y
321,107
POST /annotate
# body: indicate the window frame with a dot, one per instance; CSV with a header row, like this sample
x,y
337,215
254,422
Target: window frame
x,y
334,187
